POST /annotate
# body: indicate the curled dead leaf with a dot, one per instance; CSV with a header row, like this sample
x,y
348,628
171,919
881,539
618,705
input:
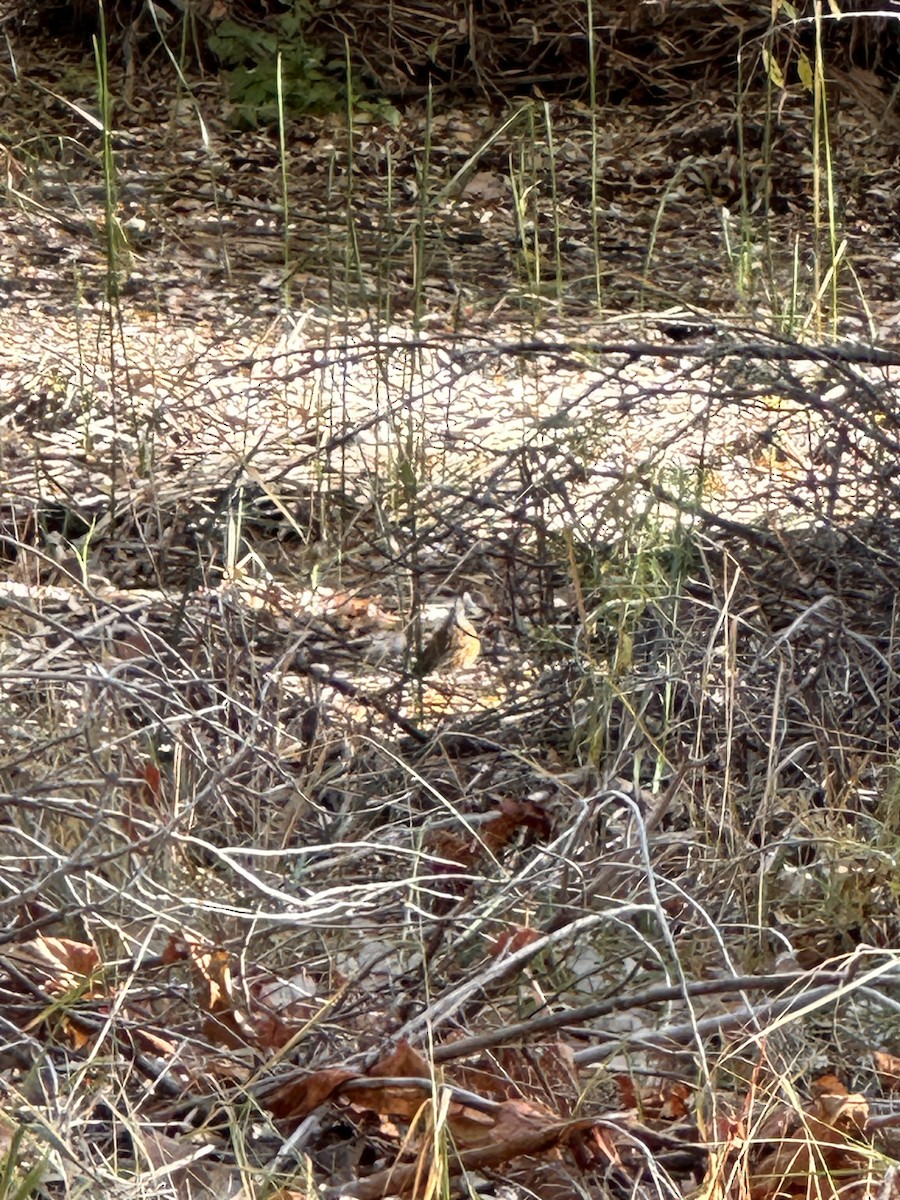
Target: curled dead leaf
x,y
402,1061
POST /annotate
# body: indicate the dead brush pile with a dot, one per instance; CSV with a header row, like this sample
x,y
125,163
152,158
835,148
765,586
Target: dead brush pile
x,y
296,898
649,50
657,50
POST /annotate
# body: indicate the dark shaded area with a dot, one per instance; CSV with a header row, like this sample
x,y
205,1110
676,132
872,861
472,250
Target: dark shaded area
x,y
641,51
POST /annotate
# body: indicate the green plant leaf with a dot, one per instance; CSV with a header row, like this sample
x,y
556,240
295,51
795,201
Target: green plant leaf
x,y
805,71
773,70
251,57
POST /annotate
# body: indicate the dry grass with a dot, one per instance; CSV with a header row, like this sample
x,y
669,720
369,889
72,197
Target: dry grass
x,y
671,760
394,709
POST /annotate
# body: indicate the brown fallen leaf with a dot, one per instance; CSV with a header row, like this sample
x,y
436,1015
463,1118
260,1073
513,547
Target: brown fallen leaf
x,y
181,1165
57,964
403,1061
517,1129
297,1098
821,1153
516,937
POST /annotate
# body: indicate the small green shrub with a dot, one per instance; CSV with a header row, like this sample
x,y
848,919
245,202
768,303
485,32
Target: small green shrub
x,y
250,58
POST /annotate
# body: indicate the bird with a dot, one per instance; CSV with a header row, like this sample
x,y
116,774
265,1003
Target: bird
x,y
454,645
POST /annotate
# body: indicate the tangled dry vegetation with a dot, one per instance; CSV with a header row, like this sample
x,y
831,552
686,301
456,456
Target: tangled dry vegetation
x,y
454,761
281,863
